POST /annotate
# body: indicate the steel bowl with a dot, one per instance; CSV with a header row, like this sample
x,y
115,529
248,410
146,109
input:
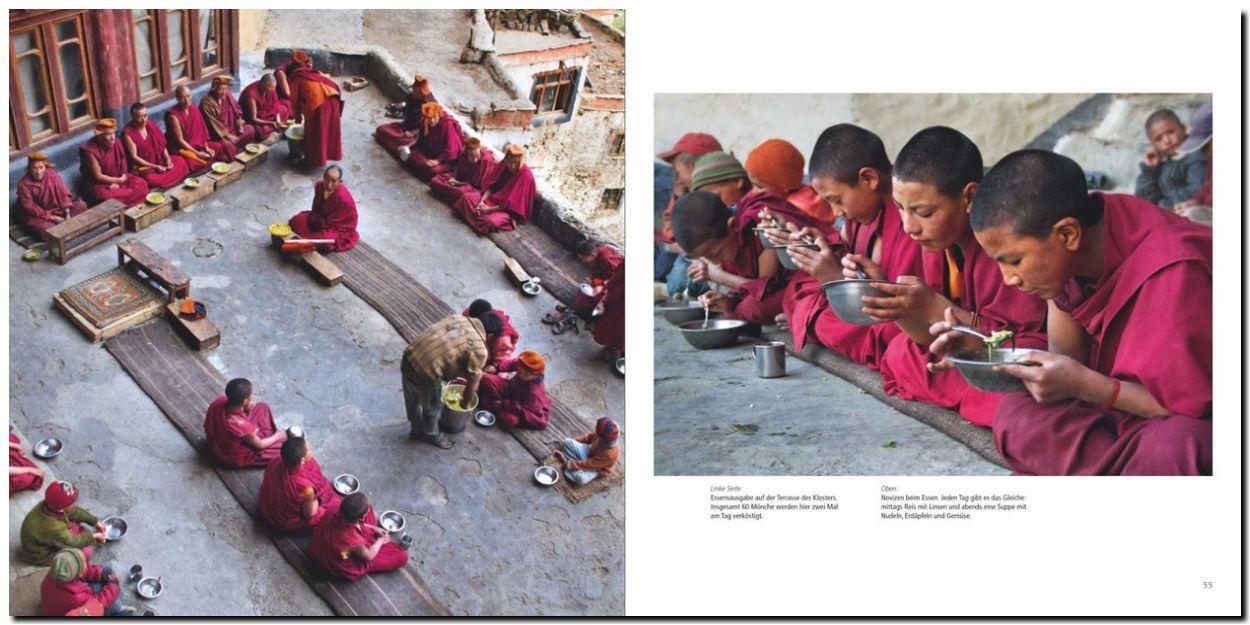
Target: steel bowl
x,y
392,521
719,333
346,484
448,391
546,475
844,298
587,290
114,528
48,448
294,132
150,587
531,288
679,312
783,255
32,254
484,418
980,372
620,366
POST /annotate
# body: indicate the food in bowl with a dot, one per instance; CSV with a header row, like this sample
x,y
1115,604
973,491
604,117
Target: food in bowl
x,y
155,198
221,168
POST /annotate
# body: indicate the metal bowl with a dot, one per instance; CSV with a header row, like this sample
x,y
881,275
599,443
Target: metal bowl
x,y
620,366
48,448
392,521
719,333
980,372
844,298
484,418
531,288
783,255
114,528
546,475
295,132
587,290
150,587
678,313
346,484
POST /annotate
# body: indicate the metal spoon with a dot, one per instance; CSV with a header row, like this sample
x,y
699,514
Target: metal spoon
x,y
968,330
706,312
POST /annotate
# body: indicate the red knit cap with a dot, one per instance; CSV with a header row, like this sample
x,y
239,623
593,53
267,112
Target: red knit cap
x,y
533,361
695,143
776,162
60,495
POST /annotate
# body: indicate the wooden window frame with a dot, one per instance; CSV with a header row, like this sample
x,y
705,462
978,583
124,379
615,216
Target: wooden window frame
x,y
196,72
44,23
153,44
564,85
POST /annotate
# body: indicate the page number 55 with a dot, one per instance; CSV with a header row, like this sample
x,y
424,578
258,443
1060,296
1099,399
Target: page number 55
x,y
1208,585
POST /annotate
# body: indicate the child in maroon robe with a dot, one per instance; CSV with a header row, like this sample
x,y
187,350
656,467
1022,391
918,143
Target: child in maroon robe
x,y
438,145
468,177
518,400
187,135
43,200
350,545
934,180
318,102
240,433
499,347
102,160
850,170
224,116
1115,394
602,261
506,199
149,158
394,135
23,474
333,214
262,107
294,494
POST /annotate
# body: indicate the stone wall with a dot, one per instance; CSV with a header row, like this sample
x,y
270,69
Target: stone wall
x,y
574,158
535,20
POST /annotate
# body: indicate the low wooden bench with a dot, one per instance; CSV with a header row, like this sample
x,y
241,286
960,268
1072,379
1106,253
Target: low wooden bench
x,y
185,196
234,172
321,268
515,270
252,161
201,334
85,230
141,216
146,263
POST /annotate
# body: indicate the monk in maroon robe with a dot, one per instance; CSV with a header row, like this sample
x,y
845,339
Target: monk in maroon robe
x,y
515,392
43,200
102,160
469,176
602,261
438,143
507,198
1114,394
23,474
263,108
241,433
149,158
187,135
395,135
318,102
294,494
610,326
224,116
333,214
499,347
350,544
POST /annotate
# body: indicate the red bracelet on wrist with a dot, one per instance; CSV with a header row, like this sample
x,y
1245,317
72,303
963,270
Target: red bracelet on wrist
x,y
1115,394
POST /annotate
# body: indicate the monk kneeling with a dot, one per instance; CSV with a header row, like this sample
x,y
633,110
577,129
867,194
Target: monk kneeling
x,y
43,200
349,545
74,588
294,494
56,523
333,216
516,393
241,433
102,160
506,199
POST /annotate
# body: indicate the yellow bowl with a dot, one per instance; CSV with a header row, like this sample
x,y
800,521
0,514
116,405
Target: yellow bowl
x,y
279,229
221,168
254,148
191,183
156,198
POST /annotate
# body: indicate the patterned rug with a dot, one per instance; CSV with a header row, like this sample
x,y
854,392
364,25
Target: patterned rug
x,y
110,296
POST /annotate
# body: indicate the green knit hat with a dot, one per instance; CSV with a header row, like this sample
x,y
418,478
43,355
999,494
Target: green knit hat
x,y
68,565
715,167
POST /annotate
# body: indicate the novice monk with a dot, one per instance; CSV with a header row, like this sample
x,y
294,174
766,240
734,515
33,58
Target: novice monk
x,y
776,166
102,160
240,432
935,177
224,116
1125,387
850,170
74,588
454,347
1164,179
395,135
294,494
263,107
23,474
147,149
317,101
438,143
468,177
186,134
516,393
56,523
499,346
333,214
43,200
602,261
592,454
350,545
506,198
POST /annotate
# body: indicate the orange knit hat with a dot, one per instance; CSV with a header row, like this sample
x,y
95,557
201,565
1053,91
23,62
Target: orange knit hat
x,y
472,142
105,125
533,361
514,151
776,162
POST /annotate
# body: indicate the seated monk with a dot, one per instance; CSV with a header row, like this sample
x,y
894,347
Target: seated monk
x,y
186,133
499,347
776,166
469,176
507,196
516,393
592,454
350,545
610,326
602,261
224,116
23,474
395,135
240,432
318,102
149,158
56,523
438,143
263,108
1125,388
294,494
74,588
333,214
43,200
102,160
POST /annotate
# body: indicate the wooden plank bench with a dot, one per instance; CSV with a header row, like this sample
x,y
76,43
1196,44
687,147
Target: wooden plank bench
x,y
146,263
201,334
185,196
515,270
141,216
85,230
321,268
233,173
252,161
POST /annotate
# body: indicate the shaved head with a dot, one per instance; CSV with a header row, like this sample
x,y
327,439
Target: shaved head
x,y
843,150
1030,191
942,157
699,217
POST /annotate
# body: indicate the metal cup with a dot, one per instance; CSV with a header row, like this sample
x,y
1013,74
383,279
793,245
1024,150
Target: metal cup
x,y
136,573
405,540
770,359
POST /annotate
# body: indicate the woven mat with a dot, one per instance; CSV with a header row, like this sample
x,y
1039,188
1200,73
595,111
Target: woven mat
x,y
578,494
948,422
110,296
183,384
541,256
22,237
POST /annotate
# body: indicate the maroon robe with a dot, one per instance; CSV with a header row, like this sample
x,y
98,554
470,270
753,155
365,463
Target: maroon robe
x,y
610,327
268,106
225,431
600,272
493,348
1149,321
331,217
516,403
441,142
26,481
335,537
229,114
283,491
195,133
39,200
471,177
321,104
113,163
391,135
903,366
153,150
511,190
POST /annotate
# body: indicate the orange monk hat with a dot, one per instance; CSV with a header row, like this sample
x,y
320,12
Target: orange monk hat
x,y
532,361
431,109
222,80
515,151
107,124
299,56
776,162
472,142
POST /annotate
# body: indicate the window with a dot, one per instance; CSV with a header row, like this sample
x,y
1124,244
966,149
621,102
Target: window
x,y
616,143
176,46
176,42
612,199
53,93
209,36
553,91
147,60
